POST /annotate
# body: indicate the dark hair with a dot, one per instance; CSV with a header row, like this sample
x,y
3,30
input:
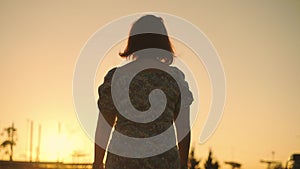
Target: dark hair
x,y
149,32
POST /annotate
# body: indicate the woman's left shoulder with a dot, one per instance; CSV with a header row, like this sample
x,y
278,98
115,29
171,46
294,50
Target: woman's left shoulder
x,y
110,74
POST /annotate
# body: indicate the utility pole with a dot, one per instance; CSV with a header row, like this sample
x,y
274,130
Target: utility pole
x,y
12,132
59,136
31,140
39,144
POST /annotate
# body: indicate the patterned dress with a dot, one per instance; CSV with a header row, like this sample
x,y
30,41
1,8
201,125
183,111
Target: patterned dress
x,y
139,89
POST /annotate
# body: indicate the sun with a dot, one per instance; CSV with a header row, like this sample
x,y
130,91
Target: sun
x,y
66,147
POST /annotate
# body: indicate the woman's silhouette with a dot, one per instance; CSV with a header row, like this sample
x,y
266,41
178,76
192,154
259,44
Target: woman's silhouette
x,y
148,32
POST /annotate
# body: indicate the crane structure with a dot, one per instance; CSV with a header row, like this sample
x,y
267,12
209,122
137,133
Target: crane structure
x,y
76,155
233,164
269,163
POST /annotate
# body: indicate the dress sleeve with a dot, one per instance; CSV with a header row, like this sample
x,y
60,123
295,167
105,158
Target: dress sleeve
x,y
105,102
185,96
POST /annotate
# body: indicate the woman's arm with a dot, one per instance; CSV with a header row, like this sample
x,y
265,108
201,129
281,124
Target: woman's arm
x,y
184,147
99,153
183,132
107,115
101,139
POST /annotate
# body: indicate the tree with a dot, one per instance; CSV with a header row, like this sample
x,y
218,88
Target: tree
x,y
193,162
11,131
278,166
210,163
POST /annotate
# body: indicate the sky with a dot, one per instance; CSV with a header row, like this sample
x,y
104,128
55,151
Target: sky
x,y
257,41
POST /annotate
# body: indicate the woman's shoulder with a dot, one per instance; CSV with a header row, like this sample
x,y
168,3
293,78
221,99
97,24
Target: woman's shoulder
x,y
177,72
110,74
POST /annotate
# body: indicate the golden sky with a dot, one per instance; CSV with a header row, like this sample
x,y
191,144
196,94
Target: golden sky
x,y
257,41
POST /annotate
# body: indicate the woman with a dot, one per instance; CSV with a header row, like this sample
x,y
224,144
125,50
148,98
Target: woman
x,y
148,32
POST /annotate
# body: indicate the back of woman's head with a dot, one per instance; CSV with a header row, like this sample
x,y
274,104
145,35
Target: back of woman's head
x,y
149,32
